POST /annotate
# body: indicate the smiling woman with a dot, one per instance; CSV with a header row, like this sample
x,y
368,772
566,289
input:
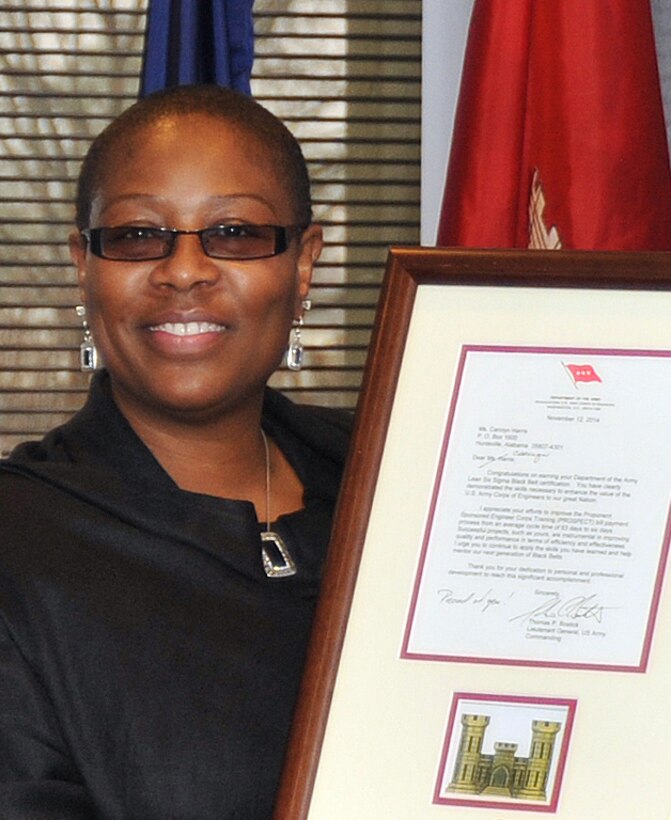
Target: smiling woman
x,y
190,172
163,549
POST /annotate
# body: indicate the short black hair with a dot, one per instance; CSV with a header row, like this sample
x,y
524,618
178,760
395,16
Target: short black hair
x,y
216,101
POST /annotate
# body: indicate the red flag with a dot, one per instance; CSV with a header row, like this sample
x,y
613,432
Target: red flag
x,y
560,108
583,373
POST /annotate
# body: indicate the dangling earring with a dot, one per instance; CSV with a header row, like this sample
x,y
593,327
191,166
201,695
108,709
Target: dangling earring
x,y
296,351
88,355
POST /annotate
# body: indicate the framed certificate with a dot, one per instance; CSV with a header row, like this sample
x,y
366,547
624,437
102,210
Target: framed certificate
x,y
493,638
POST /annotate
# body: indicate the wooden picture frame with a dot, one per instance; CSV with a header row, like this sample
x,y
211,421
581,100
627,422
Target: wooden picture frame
x,y
603,301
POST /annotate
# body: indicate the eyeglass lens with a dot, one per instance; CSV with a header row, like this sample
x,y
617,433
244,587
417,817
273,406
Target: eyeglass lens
x,y
136,243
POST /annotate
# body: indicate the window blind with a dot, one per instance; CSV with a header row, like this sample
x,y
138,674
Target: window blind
x,y
343,75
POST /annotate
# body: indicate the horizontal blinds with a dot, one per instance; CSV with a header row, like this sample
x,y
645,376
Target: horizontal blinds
x,y
344,76
66,68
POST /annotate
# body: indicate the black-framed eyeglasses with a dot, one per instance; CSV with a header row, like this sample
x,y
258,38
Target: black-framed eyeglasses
x,y
142,243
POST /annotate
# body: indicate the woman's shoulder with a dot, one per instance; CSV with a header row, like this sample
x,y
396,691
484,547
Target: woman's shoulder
x,y
30,466
15,485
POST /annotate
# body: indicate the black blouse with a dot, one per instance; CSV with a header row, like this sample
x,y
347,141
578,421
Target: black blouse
x,y
148,667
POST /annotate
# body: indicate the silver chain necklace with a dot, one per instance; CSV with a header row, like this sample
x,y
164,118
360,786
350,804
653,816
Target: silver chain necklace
x,y
277,560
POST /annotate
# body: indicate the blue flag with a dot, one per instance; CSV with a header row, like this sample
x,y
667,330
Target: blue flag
x,y
198,41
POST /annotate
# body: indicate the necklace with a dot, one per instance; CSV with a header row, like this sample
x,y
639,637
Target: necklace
x,y
277,560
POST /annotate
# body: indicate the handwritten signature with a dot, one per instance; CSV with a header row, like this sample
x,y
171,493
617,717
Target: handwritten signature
x,y
535,457
580,606
485,601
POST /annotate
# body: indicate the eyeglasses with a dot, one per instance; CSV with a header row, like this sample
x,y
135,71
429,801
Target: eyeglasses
x,y
140,243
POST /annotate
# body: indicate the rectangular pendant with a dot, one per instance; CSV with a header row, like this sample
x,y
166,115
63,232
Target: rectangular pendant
x,y
277,560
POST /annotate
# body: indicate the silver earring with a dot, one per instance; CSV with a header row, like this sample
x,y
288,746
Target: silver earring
x,y
296,351
88,354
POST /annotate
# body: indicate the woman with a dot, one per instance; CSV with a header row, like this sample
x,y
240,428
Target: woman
x,y
161,552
